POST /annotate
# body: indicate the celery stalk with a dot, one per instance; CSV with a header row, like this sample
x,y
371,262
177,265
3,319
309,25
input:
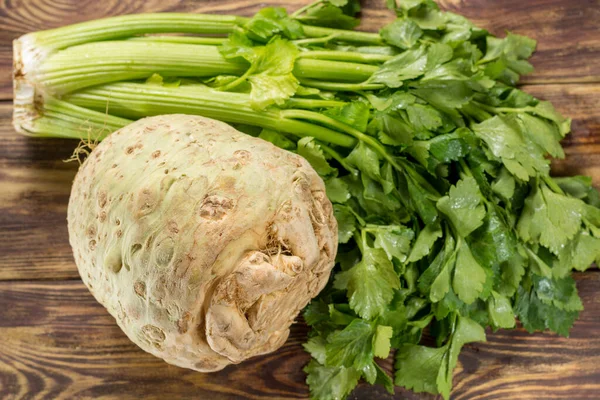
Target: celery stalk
x,y
137,24
135,100
344,35
333,70
87,65
53,64
57,118
130,25
214,41
348,56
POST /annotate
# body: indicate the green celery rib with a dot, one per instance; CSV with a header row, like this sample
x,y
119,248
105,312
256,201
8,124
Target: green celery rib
x,y
79,113
135,24
104,62
213,41
333,70
312,103
348,56
343,35
341,87
61,119
135,100
326,120
96,63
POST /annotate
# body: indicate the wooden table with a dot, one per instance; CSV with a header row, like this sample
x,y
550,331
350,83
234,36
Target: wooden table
x,y
57,342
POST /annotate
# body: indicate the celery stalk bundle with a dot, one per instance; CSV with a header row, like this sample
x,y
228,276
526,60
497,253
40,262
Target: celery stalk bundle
x,y
55,64
438,167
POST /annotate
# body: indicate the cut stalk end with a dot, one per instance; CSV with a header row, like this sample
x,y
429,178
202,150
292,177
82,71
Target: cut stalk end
x,y
27,58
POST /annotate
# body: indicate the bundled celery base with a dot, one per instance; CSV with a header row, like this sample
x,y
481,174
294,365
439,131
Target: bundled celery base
x,y
438,167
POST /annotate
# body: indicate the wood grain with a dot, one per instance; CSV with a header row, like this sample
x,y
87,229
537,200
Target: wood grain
x,y
58,343
582,146
35,185
567,31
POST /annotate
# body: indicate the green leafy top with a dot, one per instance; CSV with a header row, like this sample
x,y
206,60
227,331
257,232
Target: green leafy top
x,y
270,72
447,215
463,206
330,13
272,21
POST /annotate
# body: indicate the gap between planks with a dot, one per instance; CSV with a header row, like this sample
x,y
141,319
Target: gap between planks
x,y
42,279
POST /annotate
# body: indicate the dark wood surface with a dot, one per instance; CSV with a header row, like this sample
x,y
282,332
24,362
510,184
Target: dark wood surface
x,y
57,342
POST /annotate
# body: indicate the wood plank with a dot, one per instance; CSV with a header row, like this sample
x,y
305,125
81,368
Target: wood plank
x,y
517,365
35,191
58,343
568,51
36,184
567,33
582,146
